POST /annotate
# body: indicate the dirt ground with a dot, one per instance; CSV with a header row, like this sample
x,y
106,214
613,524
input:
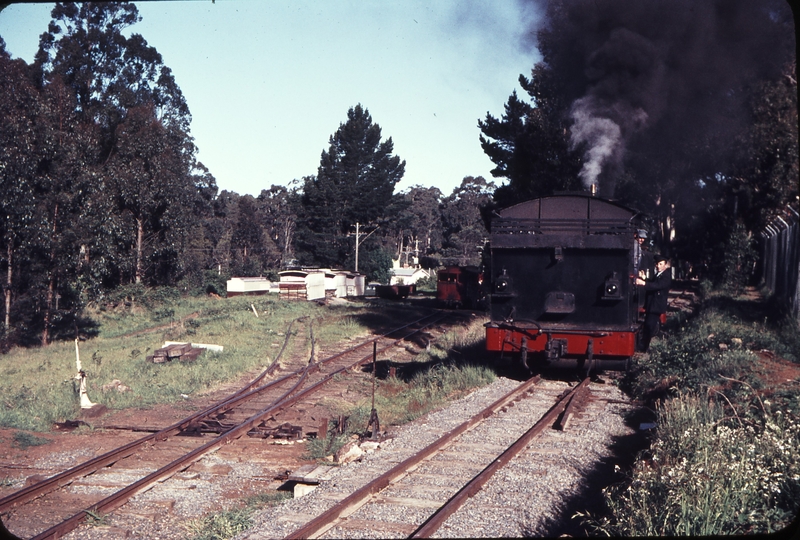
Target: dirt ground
x,y
92,439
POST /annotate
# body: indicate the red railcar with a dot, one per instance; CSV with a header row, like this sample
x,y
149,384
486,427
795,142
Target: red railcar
x,y
460,286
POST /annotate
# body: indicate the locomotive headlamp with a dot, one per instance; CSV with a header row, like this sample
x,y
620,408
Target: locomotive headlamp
x,y
612,289
503,284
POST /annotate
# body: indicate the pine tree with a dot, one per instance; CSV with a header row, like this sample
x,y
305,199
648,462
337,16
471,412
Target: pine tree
x,y
354,184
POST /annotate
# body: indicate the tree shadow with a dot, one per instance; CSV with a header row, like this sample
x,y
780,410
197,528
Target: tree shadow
x,y
472,355
382,316
64,325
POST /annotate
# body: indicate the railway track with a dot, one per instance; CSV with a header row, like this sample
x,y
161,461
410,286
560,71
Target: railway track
x,y
417,496
258,409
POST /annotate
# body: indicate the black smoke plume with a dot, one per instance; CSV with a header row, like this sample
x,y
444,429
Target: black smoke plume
x,y
648,79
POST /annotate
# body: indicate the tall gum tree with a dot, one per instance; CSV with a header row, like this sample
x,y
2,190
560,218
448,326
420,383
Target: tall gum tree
x,y
117,81
417,225
279,218
148,179
68,148
464,231
46,171
18,162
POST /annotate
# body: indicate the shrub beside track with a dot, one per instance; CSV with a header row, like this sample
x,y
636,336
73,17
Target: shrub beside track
x,y
725,456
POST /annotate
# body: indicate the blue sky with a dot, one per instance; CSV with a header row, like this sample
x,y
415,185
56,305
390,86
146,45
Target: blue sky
x,y
268,82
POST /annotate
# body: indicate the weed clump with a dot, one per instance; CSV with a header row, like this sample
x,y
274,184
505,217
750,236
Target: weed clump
x,y
708,473
229,523
25,440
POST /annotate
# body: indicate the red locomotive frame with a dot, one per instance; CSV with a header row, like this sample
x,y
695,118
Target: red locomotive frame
x,y
612,345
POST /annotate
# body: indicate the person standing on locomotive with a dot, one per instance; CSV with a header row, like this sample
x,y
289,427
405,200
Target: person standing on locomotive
x,y
642,264
643,259
656,294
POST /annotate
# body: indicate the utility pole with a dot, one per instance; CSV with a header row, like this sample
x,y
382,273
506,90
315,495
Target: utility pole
x,y
358,240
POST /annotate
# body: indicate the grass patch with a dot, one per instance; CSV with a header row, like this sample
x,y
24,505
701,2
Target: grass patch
x,y
229,523
450,370
25,440
725,458
38,388
709,474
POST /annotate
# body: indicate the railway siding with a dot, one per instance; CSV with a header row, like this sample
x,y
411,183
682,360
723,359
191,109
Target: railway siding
x,y
188,484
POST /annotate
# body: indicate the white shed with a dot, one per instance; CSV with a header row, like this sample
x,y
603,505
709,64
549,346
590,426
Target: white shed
x,y
355,284
336,283
248,285
302,285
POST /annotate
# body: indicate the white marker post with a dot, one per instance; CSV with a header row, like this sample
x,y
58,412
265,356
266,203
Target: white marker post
x,y
86,403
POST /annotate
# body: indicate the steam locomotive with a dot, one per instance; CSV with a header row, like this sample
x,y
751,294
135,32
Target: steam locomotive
x,y
562,282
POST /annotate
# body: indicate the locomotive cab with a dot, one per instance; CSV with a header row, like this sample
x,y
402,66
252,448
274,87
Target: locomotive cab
x,y
563,290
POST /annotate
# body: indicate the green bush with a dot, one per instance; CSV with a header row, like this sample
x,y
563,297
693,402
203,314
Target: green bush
x,y
201,283
709,474
717,342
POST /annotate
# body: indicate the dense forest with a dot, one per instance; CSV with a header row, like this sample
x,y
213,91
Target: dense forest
x,y
684,110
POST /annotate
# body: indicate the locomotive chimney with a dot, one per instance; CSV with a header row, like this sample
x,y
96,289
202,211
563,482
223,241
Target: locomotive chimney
x,y
594,190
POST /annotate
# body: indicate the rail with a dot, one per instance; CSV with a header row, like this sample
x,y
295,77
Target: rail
x,y
241,396
347,506
457,501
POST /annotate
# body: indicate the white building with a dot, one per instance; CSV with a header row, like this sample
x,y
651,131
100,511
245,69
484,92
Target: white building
x,y
408,275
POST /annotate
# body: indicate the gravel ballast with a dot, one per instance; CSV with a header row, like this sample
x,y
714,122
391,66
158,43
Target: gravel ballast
x,y
524,498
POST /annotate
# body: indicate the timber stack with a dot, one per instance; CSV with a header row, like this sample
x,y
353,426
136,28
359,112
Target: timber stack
x,y
179,351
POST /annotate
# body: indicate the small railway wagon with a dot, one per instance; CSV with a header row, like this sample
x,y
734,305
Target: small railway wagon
x,y
562,282
459,286
395,292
